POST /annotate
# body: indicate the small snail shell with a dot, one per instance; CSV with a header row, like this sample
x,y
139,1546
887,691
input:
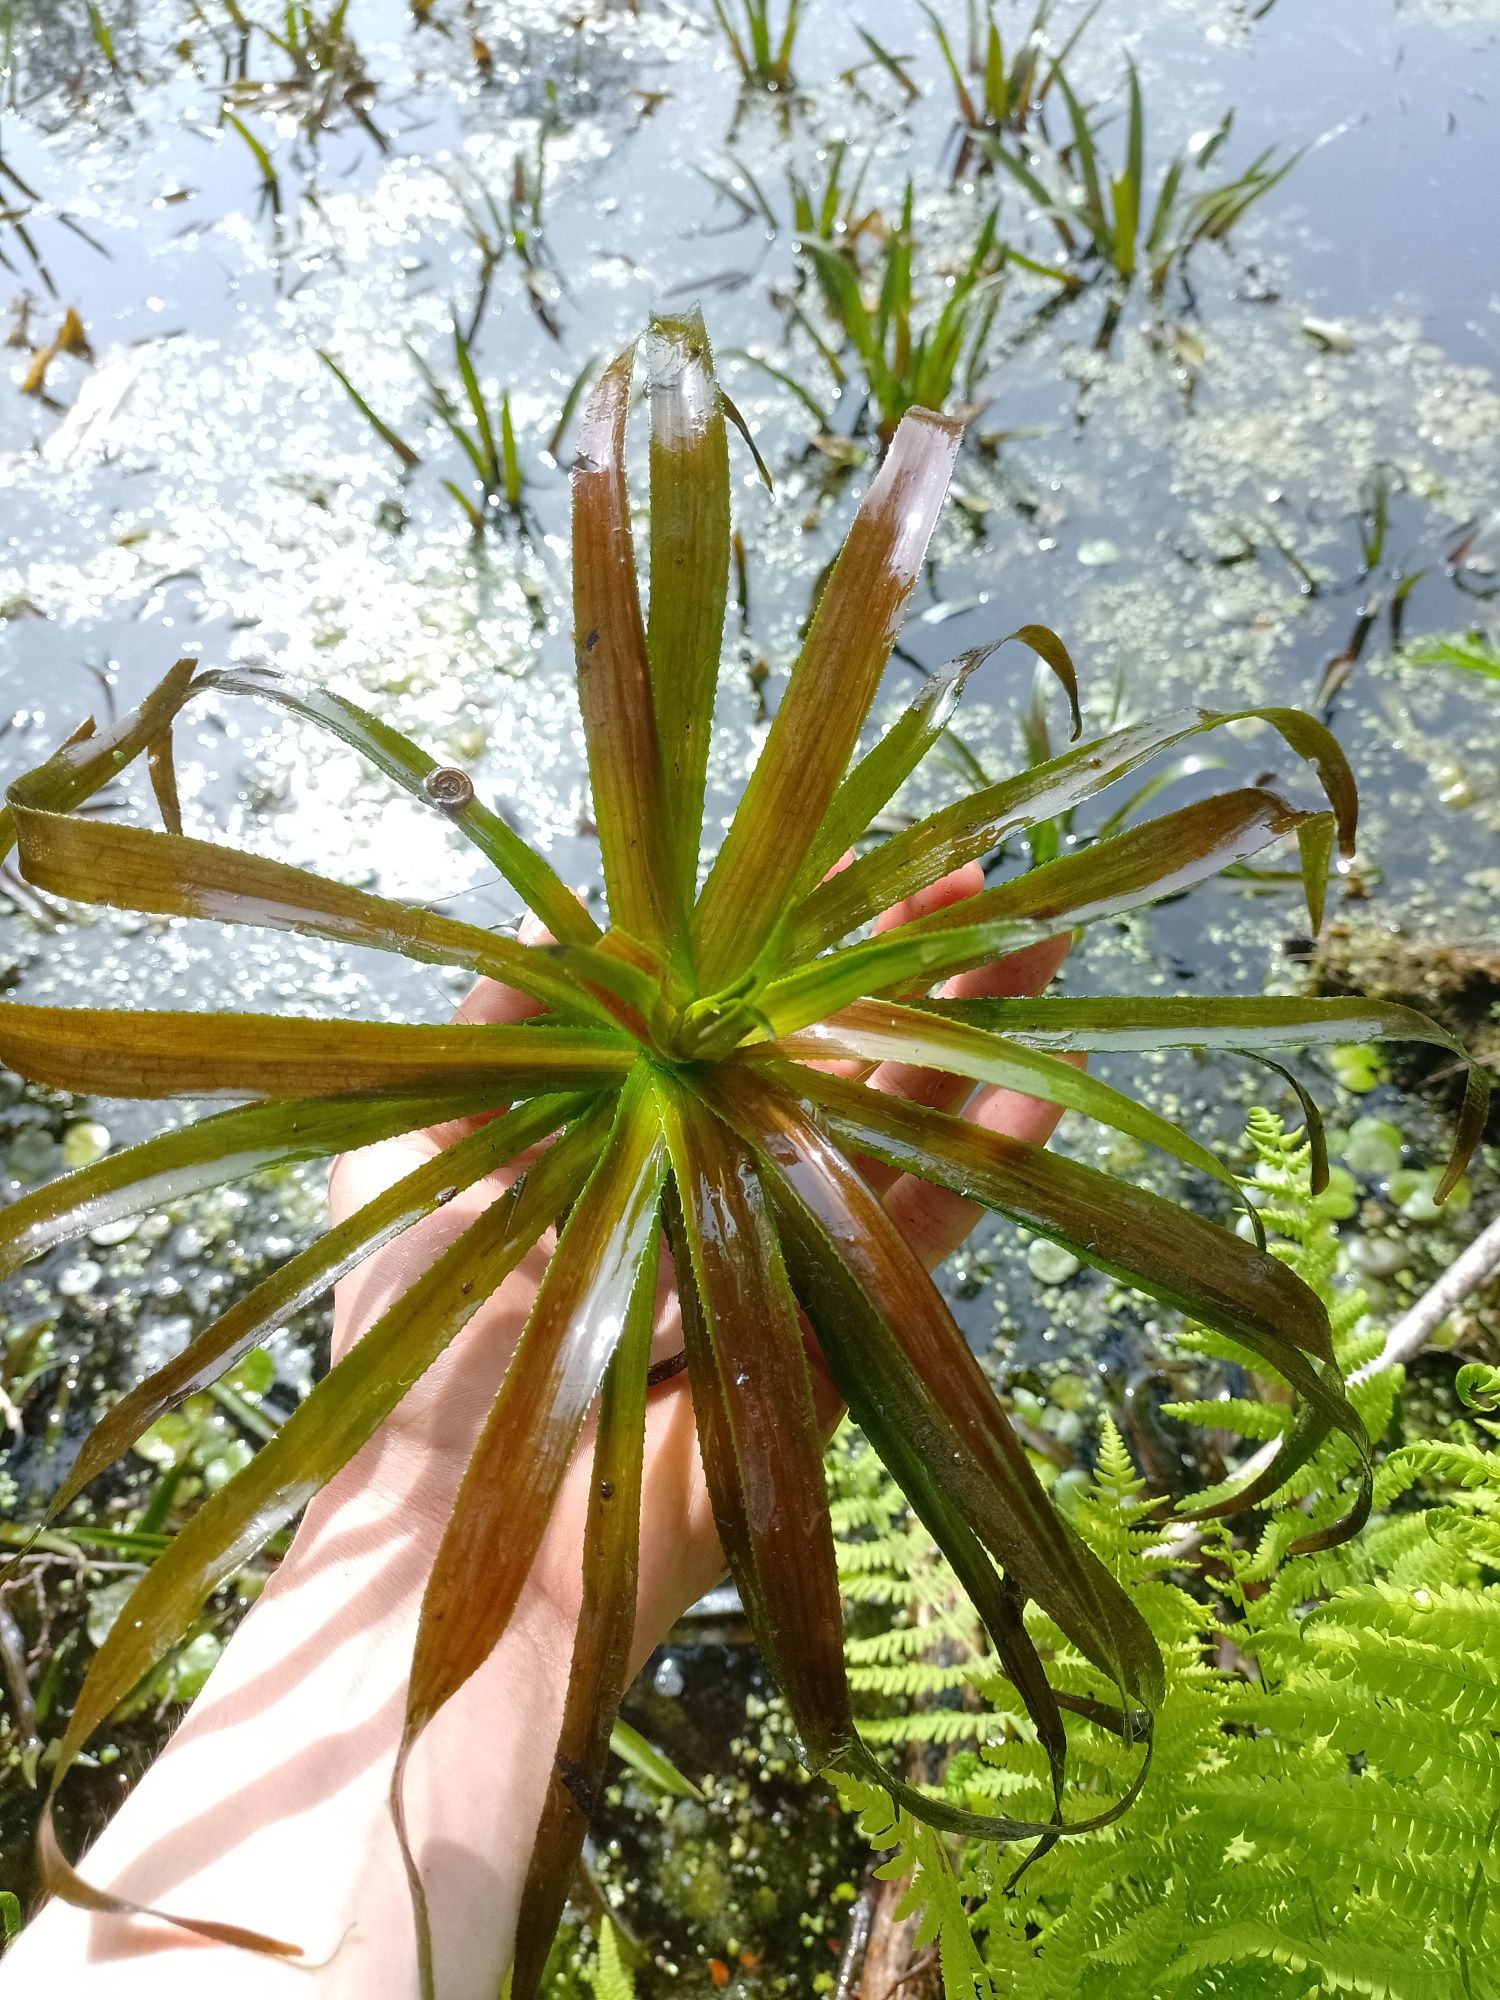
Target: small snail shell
x,y
449,788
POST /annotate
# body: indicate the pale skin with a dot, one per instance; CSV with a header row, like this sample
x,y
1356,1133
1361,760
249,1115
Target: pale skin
x,y
269,1807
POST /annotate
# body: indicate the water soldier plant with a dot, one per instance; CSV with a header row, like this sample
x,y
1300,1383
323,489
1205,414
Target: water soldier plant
x,y
676,1069
1113,219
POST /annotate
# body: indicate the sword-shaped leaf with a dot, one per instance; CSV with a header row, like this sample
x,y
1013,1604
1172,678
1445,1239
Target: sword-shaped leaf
x,y
511,1482
876,1031
970,827
319,1438
826,702
1161,857
948,1492
306,1277
599,1671
758,1428
226,1147
614,681
1151,1244
446,790
875,780
882,771
1164,857
1253,1024
762,1454
165,874
121,1053
689,568
894,1338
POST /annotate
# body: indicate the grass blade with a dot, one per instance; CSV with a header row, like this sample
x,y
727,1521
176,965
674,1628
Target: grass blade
x,y
133,868
311,1273
122,1053
877,1031
689,568
826,701
204,1155
512,1480
614,681
601,1648
382,430
437,786
971,827
1152,1245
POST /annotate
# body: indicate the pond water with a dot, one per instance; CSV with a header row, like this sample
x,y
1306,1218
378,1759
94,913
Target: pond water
x,y
1206,500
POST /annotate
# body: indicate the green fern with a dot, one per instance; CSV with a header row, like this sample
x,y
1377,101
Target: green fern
x,y
611,1975
1322,1811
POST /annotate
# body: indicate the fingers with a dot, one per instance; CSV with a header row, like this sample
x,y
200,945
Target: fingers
x,y
489,1004
935,1221
1023,972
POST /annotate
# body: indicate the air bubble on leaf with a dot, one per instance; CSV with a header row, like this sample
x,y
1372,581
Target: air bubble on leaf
x,y
119,1231
1100,553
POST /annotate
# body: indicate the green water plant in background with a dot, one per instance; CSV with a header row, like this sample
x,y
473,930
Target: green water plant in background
x,y
481,426
1471,654
994,93
916,342
761,54
1113,218
676,1065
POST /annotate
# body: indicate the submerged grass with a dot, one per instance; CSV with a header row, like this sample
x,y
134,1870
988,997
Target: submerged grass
x,y
1474,653
511,226
916,339
995,93
1111,217
762,55
480,424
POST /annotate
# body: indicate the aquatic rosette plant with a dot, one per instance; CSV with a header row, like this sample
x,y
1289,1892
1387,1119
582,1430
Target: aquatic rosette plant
x,y
676,1067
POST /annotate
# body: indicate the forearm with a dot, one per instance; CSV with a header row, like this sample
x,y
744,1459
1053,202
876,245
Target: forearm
x,y
269,1808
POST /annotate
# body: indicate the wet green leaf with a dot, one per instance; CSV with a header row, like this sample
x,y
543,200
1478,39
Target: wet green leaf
x,y
214,1150
1165,1251
689,568
132,868
306,1277
644,1758
757,1424
971,827
600,1665
1179,1021
329,1427
511,1482
437,786
825,704
877,1031
91,757
614,680
319,1438
120,1053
